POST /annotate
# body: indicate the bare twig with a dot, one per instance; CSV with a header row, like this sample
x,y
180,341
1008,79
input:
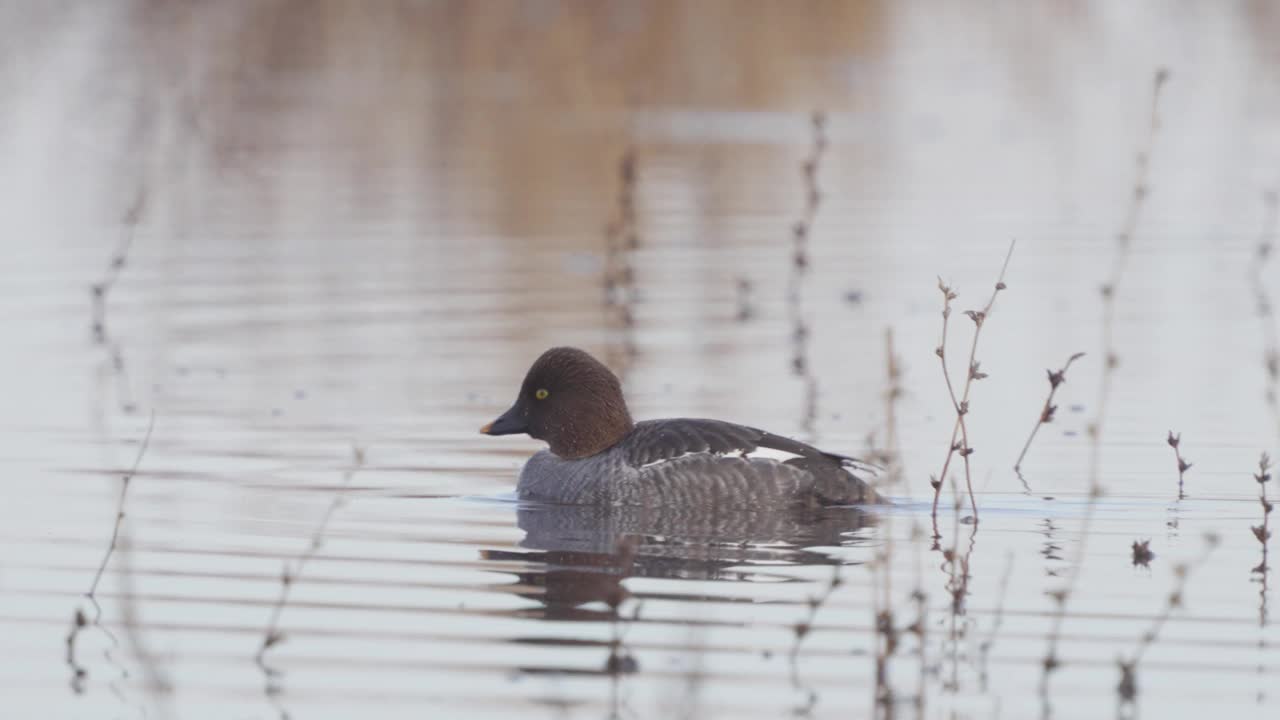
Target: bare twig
x,y
961,404
1056,379
800,233
272,636
802,629
99,291
124,491
155,679
1271,366
79,620
78,671
622,239
1175,441
884,626
956,568
919,628
1108,291
1263,534
1127,689
984,650
1265,312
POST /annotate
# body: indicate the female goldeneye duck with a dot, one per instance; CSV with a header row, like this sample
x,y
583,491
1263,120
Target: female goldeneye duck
x,y
599,456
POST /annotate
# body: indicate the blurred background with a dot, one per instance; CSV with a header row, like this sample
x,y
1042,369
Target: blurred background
x,y
319,225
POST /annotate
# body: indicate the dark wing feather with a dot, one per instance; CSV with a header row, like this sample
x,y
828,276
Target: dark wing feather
x,y
692,475
656,440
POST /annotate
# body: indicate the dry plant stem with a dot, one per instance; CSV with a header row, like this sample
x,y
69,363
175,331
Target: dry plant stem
x,y
961,404
1263,532
99,291
1183,466
1056,379
957,572
1127,688
109,654
984,650
920,629
622,239
1110,363
78,671
124,491
153,674
892,458
800,233
885,634
621,236
1265,312
289,576
803,628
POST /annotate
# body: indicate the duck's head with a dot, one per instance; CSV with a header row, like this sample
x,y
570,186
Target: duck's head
x,y
570,400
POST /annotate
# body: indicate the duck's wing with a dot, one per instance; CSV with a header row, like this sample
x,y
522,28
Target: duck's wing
x,y
698,462
654,441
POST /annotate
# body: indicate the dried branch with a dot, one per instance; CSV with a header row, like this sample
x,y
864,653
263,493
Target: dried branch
x,y
622,239
800,233
1108,291
124,491
1265,312
961,404
1262,533
289,576
884,626
1175,441
100,290
1127,689
1056,379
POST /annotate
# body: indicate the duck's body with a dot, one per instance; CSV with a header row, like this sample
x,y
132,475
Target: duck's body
x,y
689,462
598,456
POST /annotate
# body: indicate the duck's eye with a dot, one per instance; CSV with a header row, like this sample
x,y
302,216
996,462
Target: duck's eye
x,y
541,393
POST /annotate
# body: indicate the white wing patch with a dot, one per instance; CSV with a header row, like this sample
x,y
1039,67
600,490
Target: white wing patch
x,y
759,453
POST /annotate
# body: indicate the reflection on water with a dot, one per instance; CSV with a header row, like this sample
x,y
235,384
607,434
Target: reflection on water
x,y
679,543
287,228
580,556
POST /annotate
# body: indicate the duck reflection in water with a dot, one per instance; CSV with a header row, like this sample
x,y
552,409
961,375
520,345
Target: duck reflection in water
x,y
582,554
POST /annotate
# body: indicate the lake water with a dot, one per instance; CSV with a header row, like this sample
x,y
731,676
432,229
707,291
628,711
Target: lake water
x,y
348,228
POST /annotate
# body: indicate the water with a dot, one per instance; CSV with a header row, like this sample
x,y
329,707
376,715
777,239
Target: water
x,y
353,227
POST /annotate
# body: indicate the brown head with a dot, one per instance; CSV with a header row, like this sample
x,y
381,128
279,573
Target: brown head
x,y
572,401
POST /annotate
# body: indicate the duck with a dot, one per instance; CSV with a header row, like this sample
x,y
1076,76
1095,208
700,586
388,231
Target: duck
x,y
597,455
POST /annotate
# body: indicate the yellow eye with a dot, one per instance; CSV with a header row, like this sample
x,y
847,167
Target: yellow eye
x,y
541,393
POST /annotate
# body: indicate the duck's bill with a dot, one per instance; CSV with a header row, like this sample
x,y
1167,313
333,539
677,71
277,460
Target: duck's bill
x,y
508,423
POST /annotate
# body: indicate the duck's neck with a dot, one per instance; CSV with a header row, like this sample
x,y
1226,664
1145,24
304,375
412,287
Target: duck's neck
x,y
581,438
